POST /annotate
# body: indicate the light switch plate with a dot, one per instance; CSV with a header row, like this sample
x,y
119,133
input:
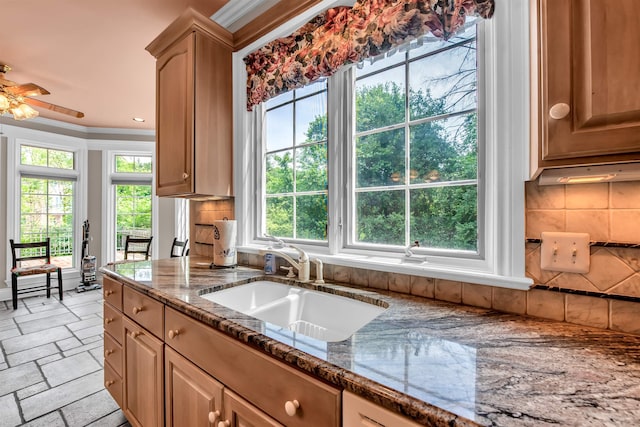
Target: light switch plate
x,y
568,252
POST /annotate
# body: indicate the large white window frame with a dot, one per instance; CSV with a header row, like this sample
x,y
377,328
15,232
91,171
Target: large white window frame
x,y
18,137
110,179
503,52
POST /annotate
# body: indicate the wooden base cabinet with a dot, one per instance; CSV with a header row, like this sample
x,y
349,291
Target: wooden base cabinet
x,y
358,412
143,400
192,398
240,413
586,82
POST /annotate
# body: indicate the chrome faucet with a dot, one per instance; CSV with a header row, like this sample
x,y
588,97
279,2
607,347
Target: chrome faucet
x,y
302,265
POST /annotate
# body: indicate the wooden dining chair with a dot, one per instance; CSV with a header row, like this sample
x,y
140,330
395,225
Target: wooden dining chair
x,y
137,245
178,248
33,251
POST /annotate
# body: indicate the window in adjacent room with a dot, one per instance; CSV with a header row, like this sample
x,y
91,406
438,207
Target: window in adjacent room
x,y
132,198
295,164
47,198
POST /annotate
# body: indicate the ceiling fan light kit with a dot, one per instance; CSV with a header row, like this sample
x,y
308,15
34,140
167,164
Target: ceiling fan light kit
x,y
14,99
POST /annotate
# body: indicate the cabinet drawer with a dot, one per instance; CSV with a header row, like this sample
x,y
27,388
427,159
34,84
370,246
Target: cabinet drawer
x,y
144,310
112,292
113,322
260,379
113,384
113,353
359,412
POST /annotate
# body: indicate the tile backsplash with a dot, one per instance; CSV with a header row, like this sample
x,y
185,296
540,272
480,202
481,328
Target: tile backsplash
x,y
609,212
613,270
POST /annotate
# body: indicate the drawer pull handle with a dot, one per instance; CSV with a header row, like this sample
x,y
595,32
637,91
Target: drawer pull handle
x,y
108,320
137,310
185,175
174,333
109,383
213,416
291,407
107,293
108,352
559,111
135,334
224,423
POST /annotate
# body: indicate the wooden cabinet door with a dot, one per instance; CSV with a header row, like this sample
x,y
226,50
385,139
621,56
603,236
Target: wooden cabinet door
x,y
193,398
589,61
240,413
143,401
175,118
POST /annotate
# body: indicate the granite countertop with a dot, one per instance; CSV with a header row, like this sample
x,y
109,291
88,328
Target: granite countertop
x,y
438,363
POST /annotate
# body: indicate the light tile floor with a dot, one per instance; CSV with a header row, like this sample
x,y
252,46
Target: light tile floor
x,y
51,363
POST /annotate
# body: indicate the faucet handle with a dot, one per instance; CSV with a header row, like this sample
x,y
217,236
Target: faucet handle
x,y
290,271
302,255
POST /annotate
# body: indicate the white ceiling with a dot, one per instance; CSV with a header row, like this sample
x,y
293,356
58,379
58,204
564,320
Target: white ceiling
x,y
90,54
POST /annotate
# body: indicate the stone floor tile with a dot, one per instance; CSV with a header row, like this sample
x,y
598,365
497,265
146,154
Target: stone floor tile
x,y
115,419
92,339
7,324
74,299
53,304
69,368
35,339
3,365
9,333
89,409
42,315
53,419
31,390
88,347
68,343
47,323
32,354
92,320
50,400
10,313
21,376
86,309
98,354
89,332
49,359
9,410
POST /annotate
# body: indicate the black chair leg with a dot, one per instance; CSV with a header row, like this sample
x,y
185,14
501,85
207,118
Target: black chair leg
x,y
60,283
14,291
48,285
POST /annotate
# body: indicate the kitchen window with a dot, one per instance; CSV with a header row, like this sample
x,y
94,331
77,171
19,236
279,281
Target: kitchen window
x,y
428,144
295,164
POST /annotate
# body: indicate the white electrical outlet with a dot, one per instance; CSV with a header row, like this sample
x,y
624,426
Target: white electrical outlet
x,y
567,252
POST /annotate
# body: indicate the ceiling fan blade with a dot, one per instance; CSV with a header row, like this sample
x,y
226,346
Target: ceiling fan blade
x,y
53,107
27,89
5,82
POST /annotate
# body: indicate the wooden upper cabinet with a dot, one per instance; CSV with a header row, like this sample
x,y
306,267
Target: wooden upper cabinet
x,y
193,108
587,91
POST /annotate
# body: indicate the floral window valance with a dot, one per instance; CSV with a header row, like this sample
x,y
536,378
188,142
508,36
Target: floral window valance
x,y
345,35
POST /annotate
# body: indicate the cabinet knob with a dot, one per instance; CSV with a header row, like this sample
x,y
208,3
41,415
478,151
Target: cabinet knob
x,y
107,352
559,111
174,333
108,320
213,416
108,383
137,310
224,423
185,175
135,334
291,407
107,293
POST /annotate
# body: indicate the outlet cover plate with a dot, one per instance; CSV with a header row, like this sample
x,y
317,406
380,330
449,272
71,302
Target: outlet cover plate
x,y
567,252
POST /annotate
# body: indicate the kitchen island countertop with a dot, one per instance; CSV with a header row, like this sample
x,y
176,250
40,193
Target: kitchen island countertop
x,y
435,362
